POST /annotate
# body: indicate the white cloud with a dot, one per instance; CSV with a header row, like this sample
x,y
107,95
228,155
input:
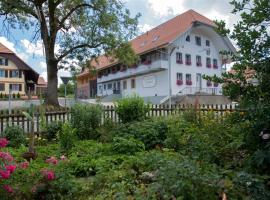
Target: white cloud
x,y
145,27
8,44
33,48
43,65
163,8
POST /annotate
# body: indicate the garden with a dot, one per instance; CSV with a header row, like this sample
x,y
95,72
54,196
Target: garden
x,y
190,155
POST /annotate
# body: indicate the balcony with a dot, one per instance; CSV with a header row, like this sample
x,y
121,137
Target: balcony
x,y
143,68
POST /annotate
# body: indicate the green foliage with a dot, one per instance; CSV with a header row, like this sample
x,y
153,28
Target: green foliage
x,y
151,132
67,137
18,95
86,119
69,89
127,146
52,129
15,135
131,109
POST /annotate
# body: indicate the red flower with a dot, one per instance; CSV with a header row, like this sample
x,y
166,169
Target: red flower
x,y
4,174
8,188
52,160
24,165
6,156
3,142
10,168
49,175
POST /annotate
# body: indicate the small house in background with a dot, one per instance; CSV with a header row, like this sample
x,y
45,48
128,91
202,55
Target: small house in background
x,y
15,75
41,86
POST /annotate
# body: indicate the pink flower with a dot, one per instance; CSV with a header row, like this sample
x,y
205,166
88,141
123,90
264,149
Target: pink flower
x,y
10,168
52,160
49,175
24,165
63,157
3,142
4,174
6,156
8,188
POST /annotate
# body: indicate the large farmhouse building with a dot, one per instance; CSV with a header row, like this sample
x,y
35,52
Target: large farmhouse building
x,y
15,75
174,56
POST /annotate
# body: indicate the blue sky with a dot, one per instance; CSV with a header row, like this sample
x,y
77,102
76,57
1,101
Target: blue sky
x,y
154,12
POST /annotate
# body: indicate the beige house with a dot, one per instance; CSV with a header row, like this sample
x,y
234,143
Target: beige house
x,y
15,75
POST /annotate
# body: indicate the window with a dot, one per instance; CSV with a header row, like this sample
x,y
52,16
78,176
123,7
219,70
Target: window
x,y
179,59
2,73
215,63
133,83
199,61
2,86
207,43
188,79
208,62
188,59
188,38
109,86
15,87
100,87
3,61
104,86
198,41
179,78
14,74
124,85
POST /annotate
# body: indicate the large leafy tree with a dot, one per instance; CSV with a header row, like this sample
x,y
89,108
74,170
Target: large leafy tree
x,y
248,81
73,30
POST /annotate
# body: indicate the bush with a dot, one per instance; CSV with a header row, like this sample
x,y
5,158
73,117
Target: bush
x,y
67,137
150,132
127,146
52,130
131,109
86,119
15,135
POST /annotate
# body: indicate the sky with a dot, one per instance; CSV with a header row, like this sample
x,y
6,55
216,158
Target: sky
x,y
153,13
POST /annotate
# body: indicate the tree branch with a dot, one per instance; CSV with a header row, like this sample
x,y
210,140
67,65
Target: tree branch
x,y
77,47
61,23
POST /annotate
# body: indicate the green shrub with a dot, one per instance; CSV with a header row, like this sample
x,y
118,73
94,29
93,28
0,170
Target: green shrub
x,y
105,131
86,119
131,109
150,132
67,137
52,129
1,95
127,145
18,95
15,135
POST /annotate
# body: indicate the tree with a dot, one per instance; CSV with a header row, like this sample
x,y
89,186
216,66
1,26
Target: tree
x,y
73,30
248,81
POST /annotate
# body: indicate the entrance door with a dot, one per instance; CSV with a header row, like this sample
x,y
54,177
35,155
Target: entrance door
x,y
93,88
199,81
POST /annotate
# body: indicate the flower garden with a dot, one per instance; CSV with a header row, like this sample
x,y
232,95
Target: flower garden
x,y
185,156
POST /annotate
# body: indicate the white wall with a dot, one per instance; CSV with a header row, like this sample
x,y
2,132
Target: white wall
x,y
154,84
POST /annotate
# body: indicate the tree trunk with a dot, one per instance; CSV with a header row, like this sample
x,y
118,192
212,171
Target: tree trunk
x,y
52,94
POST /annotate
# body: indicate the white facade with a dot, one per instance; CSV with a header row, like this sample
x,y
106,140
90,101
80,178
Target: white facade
x,y
148,80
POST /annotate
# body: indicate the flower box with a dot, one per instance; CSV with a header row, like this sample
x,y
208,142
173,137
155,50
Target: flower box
x,y
179,82
215,66
188,82
208,65
209,84
215,84
123,68
188,62
179,61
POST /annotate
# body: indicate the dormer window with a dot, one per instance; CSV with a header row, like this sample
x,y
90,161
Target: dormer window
x,y
156,38
198,40
188,38
207,43
143,43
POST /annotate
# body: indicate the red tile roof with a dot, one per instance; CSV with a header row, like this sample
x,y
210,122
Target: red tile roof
x,y
41,81
160,35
